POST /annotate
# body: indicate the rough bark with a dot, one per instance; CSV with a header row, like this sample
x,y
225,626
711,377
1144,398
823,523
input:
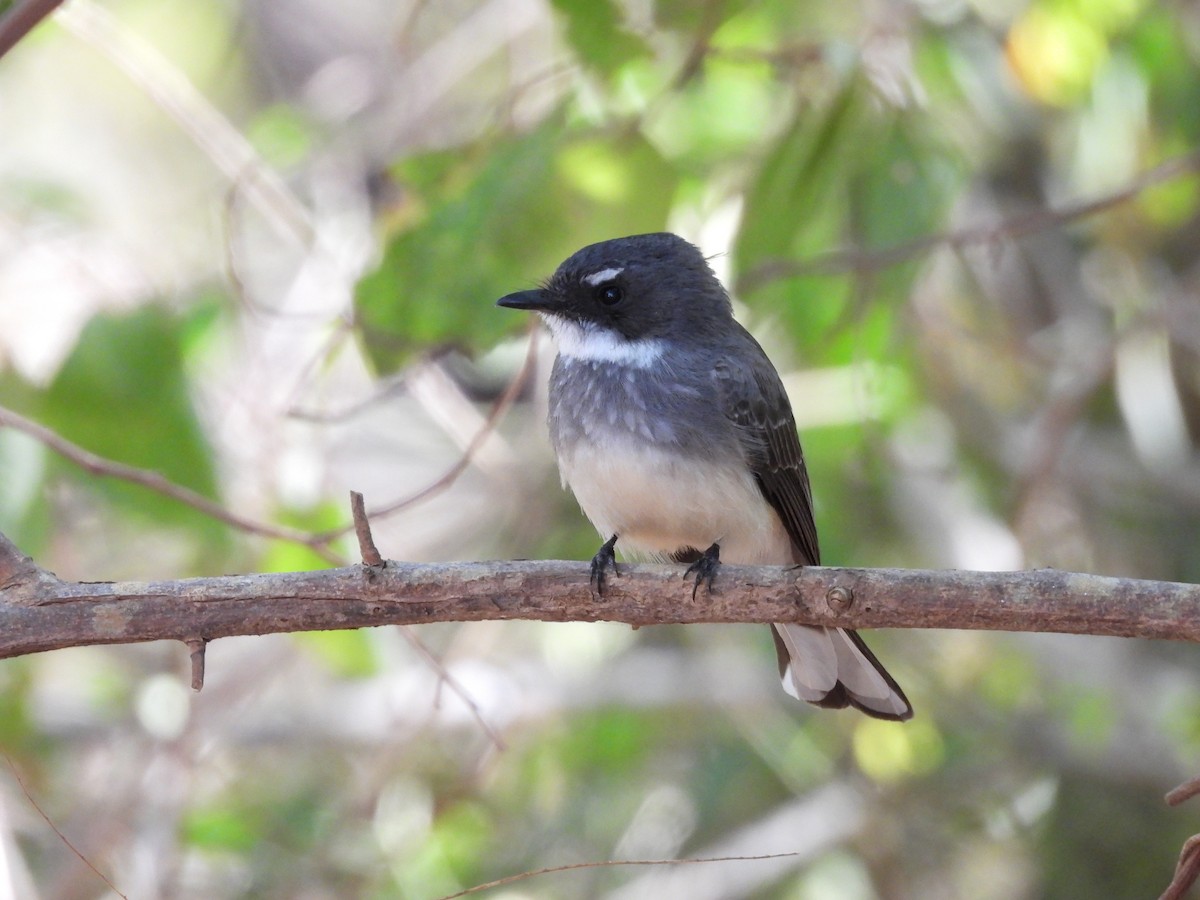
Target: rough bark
x,y
40,612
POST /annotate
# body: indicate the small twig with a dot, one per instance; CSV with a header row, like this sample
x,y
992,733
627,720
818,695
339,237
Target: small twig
x,y
319,543
451,682
1082,372
62,837
196,647
1187,870
393,385
1185,791
447,478
499,408
14,565
606,863
21,19
362,528
371,557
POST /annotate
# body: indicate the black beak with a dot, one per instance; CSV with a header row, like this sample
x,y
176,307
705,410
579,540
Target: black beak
x,y
535,300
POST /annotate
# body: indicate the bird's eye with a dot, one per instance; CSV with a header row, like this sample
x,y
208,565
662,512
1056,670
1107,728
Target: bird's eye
x,y
610,295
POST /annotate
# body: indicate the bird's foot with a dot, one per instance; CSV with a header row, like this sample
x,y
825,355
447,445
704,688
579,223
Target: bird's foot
x,y
604,559
705,568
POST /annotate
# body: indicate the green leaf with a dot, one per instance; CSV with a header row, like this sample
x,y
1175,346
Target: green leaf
x,y
785,206
23,462
348,654
899,191
289,556
499,222
844,176
281,135
123,394
595,30
796,208
223,828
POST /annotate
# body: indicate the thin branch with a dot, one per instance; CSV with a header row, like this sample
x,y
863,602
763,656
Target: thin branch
x,y
856,259
1080,374
446,479
225,146
62,837
320,543
1185,791
45,613
611,863
444,677
1187,870
21,19
98,465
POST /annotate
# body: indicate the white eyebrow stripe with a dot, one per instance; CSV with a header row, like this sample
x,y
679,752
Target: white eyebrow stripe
x,y
597,278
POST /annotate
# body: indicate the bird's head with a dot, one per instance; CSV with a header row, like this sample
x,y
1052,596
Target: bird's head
x,y
624,296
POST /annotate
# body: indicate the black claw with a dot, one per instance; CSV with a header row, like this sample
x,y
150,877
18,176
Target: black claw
x,y
604,558
705,568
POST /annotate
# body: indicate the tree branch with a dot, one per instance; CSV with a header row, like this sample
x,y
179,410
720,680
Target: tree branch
x,y
19,572
40,612
320,543
21,18
98,465
862,260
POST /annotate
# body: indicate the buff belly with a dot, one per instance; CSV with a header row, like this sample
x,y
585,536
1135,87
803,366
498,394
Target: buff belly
x,y
658,502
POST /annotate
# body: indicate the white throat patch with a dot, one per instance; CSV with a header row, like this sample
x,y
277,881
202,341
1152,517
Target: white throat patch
x,y
592,343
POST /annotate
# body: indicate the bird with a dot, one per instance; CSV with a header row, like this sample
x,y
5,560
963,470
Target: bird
x,y
673,430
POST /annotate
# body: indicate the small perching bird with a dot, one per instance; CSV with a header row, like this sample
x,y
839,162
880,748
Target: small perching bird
x,y
673,430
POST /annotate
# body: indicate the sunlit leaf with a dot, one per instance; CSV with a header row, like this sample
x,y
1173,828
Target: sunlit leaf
x,y
795,209
347,653
595,30
224,828
479,231
124,394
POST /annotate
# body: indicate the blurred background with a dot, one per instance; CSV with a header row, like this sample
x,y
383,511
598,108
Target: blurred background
x,y
255,246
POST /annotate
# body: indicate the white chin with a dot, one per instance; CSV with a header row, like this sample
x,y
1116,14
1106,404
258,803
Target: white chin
x,y
592,343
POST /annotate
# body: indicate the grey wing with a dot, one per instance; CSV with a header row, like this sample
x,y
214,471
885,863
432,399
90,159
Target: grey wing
x,y
829,667
752,396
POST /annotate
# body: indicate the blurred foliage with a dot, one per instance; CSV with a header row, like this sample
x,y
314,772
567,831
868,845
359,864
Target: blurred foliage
x,y
502,205
281,287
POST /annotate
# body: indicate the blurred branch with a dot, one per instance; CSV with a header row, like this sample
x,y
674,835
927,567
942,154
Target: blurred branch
x,y
57,831
616,863
320,543
98,465
1187,870
1185,791
206,125
40,612
455,686
856,259
499,409
21,19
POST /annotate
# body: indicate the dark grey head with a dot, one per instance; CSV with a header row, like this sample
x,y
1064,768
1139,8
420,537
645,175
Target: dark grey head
x,y
643,287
